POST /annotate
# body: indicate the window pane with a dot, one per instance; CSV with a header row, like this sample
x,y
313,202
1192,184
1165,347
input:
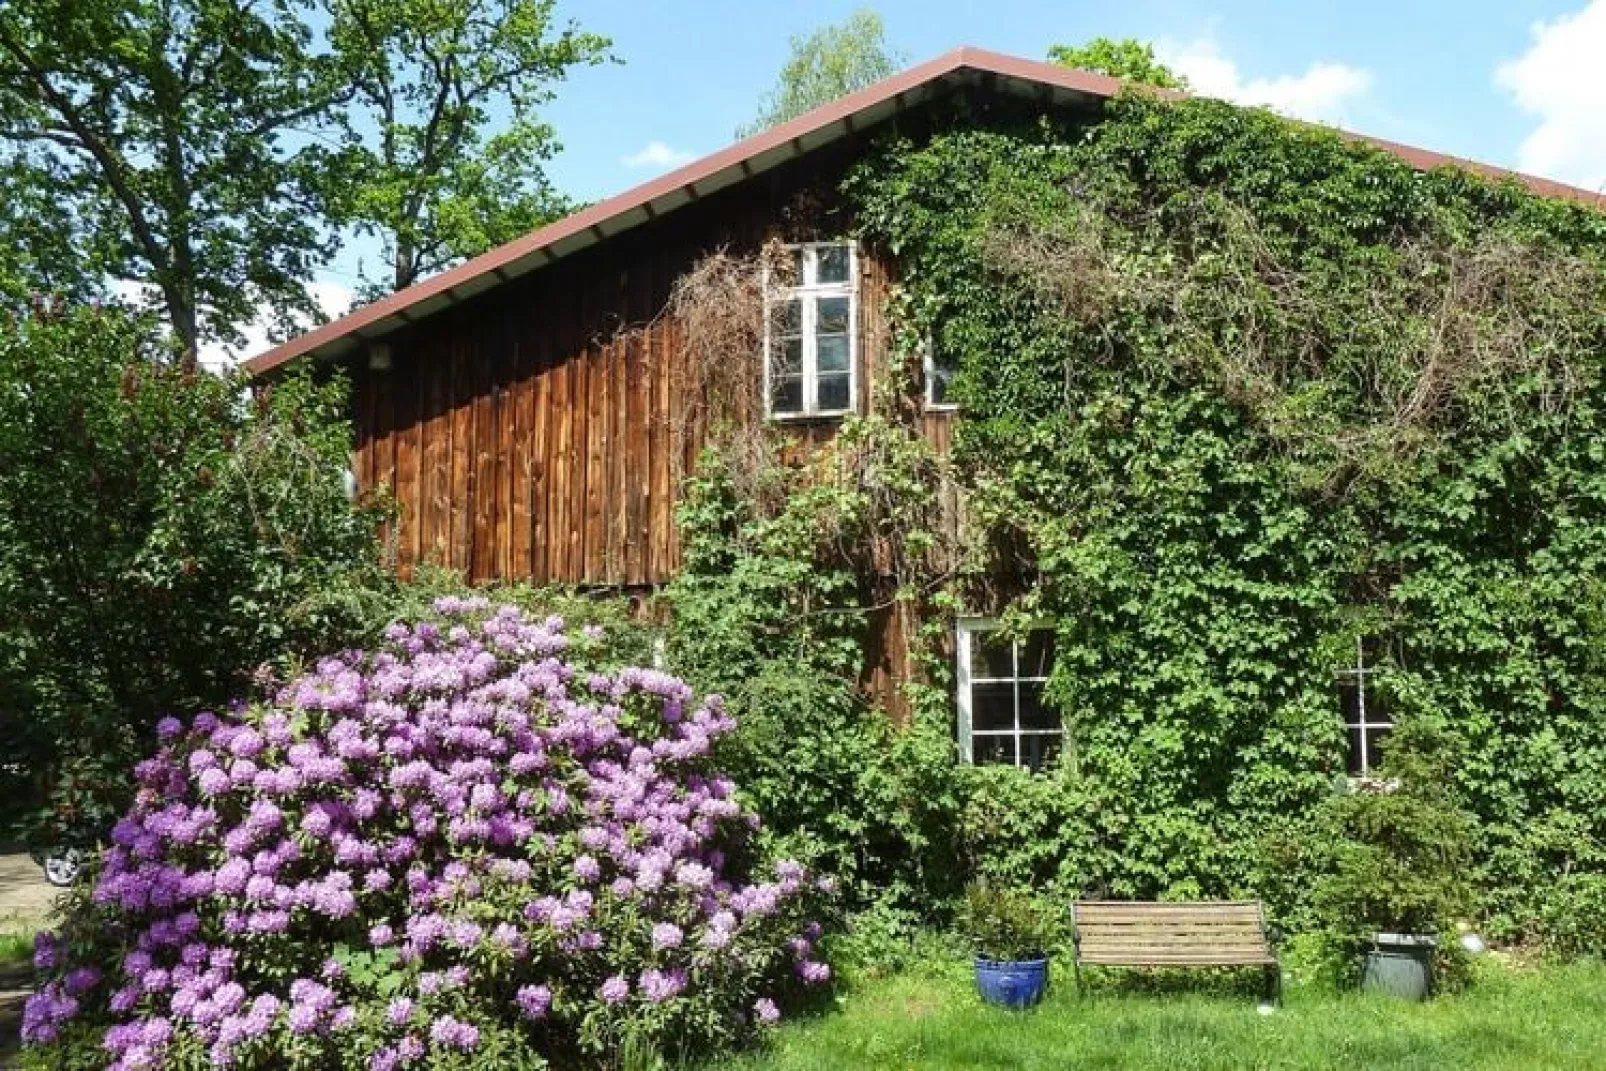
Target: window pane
x,y
831,264
937,386
1377,706
993,749
1037,654
833,391
1352,761
1377,745
992,706
1038,750
795,266
833,352
831,316
1033,713
786,394
786,357
789,317
1349,700
991,655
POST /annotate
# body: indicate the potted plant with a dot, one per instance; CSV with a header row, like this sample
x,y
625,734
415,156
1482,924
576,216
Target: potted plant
x,y
1011,934
1402,843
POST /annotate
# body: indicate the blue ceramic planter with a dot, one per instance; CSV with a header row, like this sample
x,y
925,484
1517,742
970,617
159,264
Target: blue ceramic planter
x,y
1012,983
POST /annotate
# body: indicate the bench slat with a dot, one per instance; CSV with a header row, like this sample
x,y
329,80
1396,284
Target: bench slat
x,y
1182,960
1165,934
1185,925
1146,917
1150,940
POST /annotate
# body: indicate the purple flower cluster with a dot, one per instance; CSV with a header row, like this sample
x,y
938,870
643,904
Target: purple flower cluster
x,y
463,813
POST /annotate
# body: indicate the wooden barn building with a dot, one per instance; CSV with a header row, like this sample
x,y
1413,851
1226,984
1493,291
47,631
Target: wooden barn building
x,y
521,407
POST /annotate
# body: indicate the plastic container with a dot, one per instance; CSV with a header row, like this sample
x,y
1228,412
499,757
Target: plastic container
x,y
1401,965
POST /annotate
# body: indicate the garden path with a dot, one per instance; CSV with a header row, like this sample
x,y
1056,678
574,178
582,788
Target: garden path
x,y
25,902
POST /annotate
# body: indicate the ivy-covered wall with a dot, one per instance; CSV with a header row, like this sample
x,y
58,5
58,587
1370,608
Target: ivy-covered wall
x,y
1236,393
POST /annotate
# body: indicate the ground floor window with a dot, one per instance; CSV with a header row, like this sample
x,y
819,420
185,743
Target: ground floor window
x,y
1002,717
1367,722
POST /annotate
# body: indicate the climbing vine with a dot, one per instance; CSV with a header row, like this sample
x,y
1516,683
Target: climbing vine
x,y
1236,394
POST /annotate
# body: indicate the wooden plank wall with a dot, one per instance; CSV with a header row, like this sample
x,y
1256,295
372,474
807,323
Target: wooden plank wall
x,y
525,435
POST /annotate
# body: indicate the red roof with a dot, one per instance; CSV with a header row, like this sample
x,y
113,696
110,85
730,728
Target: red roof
x,y
1046,81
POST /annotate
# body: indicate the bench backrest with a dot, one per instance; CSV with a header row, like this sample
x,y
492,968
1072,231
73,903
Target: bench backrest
x,y
1131,933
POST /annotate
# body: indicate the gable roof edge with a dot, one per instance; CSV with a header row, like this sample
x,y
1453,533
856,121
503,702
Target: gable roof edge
x,y
741,161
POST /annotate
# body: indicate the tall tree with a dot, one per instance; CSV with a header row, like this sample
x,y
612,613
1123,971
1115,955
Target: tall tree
x,y
826,64
443,152
45,253
177,132
1126,58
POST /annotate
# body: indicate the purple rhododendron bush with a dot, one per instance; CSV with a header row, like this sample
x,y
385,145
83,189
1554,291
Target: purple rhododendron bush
x,y
460,850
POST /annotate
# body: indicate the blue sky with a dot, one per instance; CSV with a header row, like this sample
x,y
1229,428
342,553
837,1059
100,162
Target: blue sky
x,y
692,70
1520,83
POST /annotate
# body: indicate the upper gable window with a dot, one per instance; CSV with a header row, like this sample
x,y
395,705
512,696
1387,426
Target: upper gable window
x,y
940,367
811,336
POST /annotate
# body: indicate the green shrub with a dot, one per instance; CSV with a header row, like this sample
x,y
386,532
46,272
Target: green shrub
x,y
1007,924
465,847
162,536
1573,915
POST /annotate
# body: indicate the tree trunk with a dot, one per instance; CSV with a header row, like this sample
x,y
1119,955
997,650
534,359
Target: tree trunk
x,y
406,268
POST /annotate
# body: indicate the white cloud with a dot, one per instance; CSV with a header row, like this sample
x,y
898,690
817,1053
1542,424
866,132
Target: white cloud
x,y
1322,93
657,154
1560,79
332,298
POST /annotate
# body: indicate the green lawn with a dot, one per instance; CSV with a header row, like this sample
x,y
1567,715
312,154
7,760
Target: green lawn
x,y
1533,1018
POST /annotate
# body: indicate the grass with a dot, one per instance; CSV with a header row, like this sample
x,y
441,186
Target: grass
x,y
15,949
1508,1019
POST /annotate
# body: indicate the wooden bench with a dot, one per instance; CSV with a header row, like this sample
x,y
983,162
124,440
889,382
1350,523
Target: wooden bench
x,y
1133,933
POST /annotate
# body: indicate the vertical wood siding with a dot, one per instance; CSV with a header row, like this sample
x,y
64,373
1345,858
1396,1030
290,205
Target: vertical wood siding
x,y
526,433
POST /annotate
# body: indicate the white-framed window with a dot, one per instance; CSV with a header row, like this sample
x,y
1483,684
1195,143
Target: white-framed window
x,y
811,344
1366,718
940,368
1002,716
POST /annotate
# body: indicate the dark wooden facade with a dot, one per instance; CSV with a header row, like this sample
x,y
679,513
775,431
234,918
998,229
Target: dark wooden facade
x,y
526,434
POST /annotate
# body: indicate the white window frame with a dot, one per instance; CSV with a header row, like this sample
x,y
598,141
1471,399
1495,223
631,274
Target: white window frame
x,y
1361,675
928,364
966,630
810,292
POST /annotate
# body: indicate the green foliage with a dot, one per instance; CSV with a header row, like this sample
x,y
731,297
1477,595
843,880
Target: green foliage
x,y
1393,856
1236,396
161,537
161,131
1127,58
769,610
443,154
1573,916
1240,392
828,63
1006,924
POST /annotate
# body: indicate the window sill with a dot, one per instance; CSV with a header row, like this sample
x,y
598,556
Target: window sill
x,y
946,407
829,417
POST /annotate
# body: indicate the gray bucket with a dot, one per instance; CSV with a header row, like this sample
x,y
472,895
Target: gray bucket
x,y
1401,965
